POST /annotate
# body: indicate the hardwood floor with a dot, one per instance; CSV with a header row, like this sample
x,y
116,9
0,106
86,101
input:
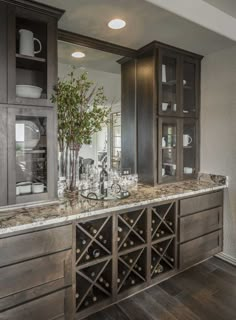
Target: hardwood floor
x,y
204,292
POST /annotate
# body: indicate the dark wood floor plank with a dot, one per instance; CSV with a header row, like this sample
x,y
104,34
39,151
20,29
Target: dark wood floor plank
x,y
173,305
220,264
151,307
110,313
133,310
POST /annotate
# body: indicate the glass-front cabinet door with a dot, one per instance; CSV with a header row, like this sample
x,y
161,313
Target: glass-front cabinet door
x,y
31,153
190,87
169,84
168,150
190,148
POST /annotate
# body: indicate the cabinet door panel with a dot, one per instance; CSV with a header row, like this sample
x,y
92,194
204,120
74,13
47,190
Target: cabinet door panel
x,y
199,249
200,223
23,281
3,53
3,156
49,308
201,203
39,243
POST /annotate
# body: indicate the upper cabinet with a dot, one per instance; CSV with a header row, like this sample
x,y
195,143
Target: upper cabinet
x,y
28,52
177,84
167,112
28,122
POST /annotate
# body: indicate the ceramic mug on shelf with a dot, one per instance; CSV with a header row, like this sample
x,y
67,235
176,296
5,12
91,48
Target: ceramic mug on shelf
x,y
164,106
187,140
163,142
27,41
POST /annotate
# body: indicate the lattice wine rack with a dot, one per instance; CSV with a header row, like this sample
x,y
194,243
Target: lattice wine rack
x,y
122,252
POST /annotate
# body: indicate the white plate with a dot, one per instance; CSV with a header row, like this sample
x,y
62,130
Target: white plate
x,y
27,134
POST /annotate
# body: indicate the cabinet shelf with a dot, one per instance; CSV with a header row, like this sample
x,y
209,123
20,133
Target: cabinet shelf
x,y
28,62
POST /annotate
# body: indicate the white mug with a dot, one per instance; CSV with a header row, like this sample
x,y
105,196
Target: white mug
x,y
163,171
164,106
187,140
163,142
27,43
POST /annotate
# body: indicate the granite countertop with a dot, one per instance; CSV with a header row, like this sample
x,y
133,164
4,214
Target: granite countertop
x,y
76,207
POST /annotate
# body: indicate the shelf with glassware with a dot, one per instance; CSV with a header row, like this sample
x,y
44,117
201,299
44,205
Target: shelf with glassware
x,y
31,154
178,91
178,148
32,56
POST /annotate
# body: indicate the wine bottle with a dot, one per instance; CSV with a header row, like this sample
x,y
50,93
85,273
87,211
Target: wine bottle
x,y
127,219
153,221
125,245
158,235
77,295
95,253
86,303
160,249
120,229
137,267
103,181
87,257
169,258
100,237
92,296
159,269
140,231
104,241
107,285
118,280
129,260
101,279
132,281
93,274
170,223
131,242
162,232
123,272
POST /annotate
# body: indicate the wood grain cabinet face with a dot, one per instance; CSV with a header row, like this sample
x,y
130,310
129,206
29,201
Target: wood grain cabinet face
x,y
50,307
35,244
28,280
201,223
199,249
3,53
200,203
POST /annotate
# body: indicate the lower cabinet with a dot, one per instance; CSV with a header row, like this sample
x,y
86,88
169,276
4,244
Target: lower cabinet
x,y
50,307
69,272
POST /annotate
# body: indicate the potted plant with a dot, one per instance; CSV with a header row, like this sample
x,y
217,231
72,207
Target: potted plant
x,y
82,111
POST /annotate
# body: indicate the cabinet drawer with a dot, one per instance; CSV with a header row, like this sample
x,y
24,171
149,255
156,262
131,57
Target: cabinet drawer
x,y
199,249
201,203
200,223
27,280
50,307
30,245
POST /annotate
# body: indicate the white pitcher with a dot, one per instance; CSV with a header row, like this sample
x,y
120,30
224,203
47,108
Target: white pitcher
x,y
27,41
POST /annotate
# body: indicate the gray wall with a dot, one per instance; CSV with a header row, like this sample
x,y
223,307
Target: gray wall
x,y
218,131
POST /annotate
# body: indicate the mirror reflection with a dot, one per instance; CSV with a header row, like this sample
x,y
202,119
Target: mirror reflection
x,y
104,70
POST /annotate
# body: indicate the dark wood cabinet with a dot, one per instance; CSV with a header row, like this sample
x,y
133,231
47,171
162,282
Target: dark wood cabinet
x,y
3,52
99,260
32,155
167,112
39,70
28,125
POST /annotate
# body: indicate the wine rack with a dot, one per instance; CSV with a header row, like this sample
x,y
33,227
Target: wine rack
x,y
162,257
163,221
131,229
131,270
93,240
93,284
120,253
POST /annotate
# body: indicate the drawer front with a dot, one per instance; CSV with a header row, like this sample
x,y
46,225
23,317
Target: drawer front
x,y
201,203
50,307
27,280
200,223
30,245
199,249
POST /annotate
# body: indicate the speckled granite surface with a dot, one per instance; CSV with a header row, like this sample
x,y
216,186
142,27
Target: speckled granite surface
x,y
73,208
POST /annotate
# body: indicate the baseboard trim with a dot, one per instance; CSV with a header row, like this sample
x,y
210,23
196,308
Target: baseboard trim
x,y
227,258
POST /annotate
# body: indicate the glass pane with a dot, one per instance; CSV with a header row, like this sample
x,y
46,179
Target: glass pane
x,y
116,140
189,94
168,103
169,150
189,145
31,155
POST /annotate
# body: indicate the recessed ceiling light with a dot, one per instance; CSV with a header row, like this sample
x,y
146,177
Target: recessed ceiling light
x,y
78,54
116,24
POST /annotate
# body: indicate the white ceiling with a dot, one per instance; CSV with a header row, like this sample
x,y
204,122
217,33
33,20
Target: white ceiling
x,y
145,22
94,59
227,6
